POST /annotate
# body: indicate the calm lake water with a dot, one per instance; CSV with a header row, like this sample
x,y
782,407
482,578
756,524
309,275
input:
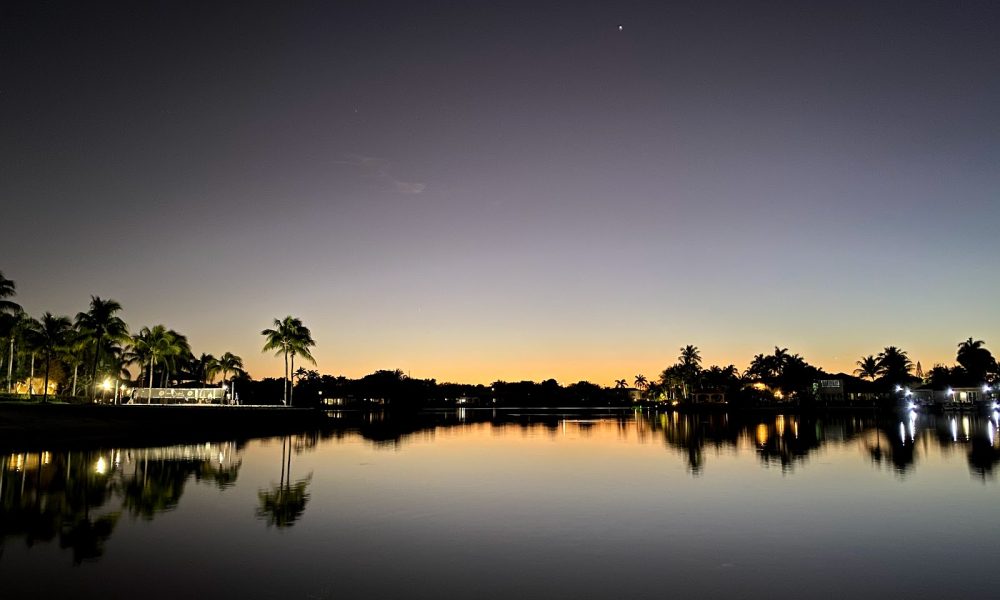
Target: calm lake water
x,y
479,504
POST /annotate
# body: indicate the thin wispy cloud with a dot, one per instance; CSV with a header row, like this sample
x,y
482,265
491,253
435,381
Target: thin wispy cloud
x,y
379,168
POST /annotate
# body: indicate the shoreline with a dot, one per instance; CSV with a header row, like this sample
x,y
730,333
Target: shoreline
x,y
28,427
63,426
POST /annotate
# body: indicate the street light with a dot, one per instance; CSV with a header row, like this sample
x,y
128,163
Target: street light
x,y
106,386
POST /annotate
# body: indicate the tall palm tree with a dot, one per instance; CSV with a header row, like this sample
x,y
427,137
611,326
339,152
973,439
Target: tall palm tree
x,y
868,367
289,337
150,345
102,325
230,363
177,356
8,289
689,362
278,339
72,351
690,356
300,345
641,382
9,328
49,334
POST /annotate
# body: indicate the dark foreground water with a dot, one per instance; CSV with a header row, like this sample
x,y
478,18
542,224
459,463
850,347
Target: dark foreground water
x,y
475,504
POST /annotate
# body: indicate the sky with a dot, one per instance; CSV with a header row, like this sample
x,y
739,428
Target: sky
x,y
474,191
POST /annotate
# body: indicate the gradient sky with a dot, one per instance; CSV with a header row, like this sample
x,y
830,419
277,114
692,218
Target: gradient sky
x,y
476,191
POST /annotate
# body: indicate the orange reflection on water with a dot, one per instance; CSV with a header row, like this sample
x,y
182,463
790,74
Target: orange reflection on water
x,y
762,434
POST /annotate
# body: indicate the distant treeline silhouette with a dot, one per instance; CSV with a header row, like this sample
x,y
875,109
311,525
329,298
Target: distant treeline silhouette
x,y
93,356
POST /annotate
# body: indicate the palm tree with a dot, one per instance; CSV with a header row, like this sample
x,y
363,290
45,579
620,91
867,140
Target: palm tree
x,y
300,344
868,367
288,338
72,351
894,365
150,345
641,382
621,384
205,368
178,354
102,325
230,363
49,334
975,358
690,356
9,327
278,339
8,289
690,365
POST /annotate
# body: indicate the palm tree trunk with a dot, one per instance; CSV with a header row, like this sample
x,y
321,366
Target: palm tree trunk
x,y
31,378
45,391
284,397
93,373
149,396
74,379
224,373
10,366
291,384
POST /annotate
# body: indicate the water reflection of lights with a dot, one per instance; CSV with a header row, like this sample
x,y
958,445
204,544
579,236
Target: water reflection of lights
x,y
762,434
101,467
965,427
913,425
902,432
779,424
954,430
46,458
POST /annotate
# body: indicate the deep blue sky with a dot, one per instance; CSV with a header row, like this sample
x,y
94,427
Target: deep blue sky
x,y
474,191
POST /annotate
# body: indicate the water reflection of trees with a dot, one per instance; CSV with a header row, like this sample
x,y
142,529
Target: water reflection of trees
x,y
281,505
78,498
893,441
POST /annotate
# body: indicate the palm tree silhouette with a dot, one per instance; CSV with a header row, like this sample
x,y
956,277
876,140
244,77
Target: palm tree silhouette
x,y
9,329
205,368
150,345
289,337
230,363
690,365
102,325
8,289
178,353
300,344
894,365
641,382
50,333
868,367
975,358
